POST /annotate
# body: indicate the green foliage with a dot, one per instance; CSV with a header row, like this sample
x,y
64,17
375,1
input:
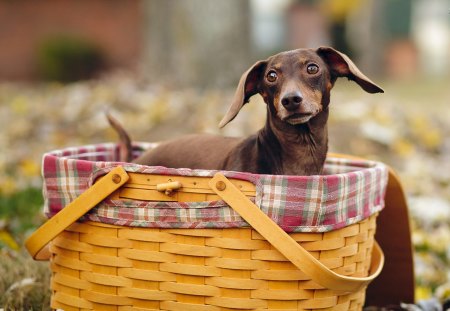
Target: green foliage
x,y
68,59
24,283
21,210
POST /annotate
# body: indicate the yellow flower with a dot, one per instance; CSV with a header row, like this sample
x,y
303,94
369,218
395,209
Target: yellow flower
x,y
339,9
422,293
443,292
29,168
8,240
425,131
8,185
432,138
20,105
383,116
159,111
403,147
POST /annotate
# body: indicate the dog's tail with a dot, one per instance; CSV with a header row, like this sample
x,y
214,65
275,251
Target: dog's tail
x,y
126,148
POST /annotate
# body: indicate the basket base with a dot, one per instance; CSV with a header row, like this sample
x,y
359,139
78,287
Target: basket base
x,y
104,267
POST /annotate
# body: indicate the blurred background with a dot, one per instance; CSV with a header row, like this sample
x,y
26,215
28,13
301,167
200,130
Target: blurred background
x,y
168,67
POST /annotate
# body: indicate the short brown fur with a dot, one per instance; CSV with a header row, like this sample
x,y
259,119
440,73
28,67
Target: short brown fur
x,y
294,140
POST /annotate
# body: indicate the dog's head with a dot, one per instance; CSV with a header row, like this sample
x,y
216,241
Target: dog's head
x,y
296,84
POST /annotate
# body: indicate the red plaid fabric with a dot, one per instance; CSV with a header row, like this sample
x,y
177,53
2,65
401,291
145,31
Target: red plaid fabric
x,y
346,193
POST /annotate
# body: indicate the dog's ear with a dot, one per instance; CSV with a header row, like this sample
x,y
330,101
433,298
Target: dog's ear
x,y
342,66
247,87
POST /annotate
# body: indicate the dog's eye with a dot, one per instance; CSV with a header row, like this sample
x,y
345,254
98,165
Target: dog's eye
x,y
272,76
312,69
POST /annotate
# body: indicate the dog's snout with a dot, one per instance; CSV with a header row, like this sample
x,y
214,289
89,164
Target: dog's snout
x,y
292,100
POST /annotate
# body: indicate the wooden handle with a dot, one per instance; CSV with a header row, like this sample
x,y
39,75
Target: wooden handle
x,y
287,246
36,243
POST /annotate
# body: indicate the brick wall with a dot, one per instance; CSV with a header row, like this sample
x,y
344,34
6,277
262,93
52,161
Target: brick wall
x,y
114,25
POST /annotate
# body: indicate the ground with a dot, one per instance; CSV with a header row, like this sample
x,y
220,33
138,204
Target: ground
x,y
407,127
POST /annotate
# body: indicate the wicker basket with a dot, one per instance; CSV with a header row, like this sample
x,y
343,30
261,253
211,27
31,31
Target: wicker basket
x,y
98,266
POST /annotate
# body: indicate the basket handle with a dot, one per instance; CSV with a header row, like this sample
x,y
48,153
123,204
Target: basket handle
x,y
295,253
112,181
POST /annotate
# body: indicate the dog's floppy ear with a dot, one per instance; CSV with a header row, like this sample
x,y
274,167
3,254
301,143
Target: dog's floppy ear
x,y
247,87
342,66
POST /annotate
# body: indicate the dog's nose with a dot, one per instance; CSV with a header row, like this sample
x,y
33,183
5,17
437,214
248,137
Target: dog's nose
x,y
292,101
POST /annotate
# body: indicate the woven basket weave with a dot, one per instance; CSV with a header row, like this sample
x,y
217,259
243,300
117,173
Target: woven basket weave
x,y
98,266
104,267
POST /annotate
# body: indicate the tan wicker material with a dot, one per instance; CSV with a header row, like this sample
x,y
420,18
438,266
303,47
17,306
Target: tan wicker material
x,y
103,267
97,266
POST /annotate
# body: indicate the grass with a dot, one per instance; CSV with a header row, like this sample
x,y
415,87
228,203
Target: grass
x,y
21,211
24,283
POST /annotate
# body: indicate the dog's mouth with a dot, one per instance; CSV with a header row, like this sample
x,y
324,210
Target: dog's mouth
x,y
299,118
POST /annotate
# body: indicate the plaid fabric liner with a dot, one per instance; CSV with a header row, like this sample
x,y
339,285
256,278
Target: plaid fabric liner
x,y
346,193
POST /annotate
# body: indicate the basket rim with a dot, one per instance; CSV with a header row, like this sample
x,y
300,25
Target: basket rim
x,y
338,165
354,192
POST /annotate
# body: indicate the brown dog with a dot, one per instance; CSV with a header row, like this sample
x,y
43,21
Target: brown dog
x,y
296,86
